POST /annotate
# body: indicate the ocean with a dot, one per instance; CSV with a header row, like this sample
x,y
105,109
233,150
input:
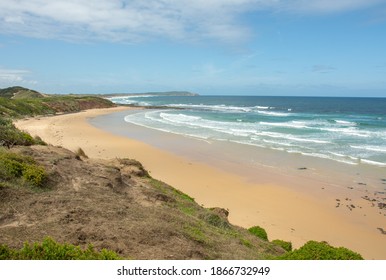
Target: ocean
x,y
347,130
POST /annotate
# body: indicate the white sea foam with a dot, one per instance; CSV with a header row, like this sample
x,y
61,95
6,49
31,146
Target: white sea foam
x,y
286,124
370,148
346,123
277,143
333,138
220,108
130,100
307,140
291,137
372,162
270,113
264,110
319,155
271,134
351,131
179,118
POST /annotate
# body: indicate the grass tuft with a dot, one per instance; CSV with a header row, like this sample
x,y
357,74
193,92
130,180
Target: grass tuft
x,y
286,245
259,232
80,153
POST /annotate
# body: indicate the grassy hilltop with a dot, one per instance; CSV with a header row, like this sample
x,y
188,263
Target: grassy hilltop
x,y
19,102
67,206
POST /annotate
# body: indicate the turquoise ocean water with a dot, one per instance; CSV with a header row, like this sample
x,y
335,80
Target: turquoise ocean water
x,y
347,130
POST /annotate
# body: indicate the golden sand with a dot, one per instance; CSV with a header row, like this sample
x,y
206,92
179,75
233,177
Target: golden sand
x,y
281,203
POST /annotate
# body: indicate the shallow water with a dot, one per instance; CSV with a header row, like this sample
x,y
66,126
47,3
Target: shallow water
x,y
346,130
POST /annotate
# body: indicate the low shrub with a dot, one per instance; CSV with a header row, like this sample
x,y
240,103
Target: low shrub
x,y
34,174
259,232
51,250
314,250
286,245
215,220
11,136
15,168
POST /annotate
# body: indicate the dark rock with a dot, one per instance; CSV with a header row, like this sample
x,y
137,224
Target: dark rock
x,y
382,205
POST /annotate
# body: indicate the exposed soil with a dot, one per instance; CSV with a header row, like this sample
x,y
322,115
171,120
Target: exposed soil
x,y
115,205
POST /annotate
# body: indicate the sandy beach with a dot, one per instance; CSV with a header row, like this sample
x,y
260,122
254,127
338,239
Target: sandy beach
x,y
281,202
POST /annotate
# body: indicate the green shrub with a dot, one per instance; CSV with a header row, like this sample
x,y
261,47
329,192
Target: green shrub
x,y
51,250
39,141
286,245
215,220
259,232
314,250
11,136
10,168
15,167
34,174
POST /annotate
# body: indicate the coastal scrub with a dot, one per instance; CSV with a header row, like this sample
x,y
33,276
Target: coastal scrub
x,y
314,250
49,249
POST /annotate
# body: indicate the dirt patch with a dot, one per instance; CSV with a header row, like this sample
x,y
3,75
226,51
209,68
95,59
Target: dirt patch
x,y
114,204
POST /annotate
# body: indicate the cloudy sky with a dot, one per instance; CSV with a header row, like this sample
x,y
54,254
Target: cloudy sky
x,y
240,47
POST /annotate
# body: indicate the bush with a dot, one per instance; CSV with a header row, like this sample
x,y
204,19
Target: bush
x,y
10,168
215,220
286,245
34,174
314,250
11,136
259,232
14,167
51,250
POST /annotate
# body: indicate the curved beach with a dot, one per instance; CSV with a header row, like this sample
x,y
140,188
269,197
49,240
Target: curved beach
x,y
337,210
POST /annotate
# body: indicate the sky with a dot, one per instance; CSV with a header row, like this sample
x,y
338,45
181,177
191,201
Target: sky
x,y
210,47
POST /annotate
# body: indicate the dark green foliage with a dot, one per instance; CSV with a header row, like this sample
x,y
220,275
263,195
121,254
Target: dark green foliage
x,y
16,169
19,92
51,250
259,232
314,250
215,220
24,107
11,136
34,174
286,245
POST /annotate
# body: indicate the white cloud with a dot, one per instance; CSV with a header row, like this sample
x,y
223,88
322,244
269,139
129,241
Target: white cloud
x,y
124,20
138,20
10,77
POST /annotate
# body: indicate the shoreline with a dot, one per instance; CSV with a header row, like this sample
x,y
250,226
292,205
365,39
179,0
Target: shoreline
x,y
275,201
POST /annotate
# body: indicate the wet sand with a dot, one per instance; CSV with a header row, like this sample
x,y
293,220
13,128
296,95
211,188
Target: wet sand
x,y
293,197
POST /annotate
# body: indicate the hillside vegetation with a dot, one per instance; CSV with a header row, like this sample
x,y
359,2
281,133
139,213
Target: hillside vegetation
x,y
19,92
18,103
71,207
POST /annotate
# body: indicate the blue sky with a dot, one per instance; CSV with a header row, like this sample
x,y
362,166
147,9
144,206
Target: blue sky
x,y
239,47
